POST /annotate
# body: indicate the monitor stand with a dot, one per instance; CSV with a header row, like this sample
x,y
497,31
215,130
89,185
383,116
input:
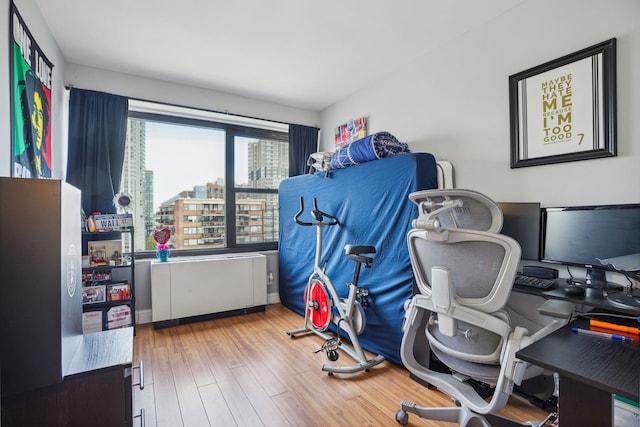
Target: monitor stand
x,y
598,280
605,286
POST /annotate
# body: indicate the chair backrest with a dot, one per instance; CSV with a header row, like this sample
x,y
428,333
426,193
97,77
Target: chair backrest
x,y
467,268
456,209
458,229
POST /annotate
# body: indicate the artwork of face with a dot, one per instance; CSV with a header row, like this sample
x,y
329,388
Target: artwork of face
x,y
37,122
35,112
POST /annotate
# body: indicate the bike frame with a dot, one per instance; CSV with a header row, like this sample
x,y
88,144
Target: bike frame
x,y
342,311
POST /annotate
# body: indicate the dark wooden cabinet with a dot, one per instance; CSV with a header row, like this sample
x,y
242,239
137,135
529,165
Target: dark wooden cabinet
x,y
97,393
40,295
51,373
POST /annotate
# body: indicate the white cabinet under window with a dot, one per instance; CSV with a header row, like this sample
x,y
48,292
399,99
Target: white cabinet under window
x,y
224,285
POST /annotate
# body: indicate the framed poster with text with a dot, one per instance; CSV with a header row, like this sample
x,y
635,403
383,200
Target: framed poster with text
x,y
565,110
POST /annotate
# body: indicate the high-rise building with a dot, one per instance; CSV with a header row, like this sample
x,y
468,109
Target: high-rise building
x,y
134,178
149,222
268,163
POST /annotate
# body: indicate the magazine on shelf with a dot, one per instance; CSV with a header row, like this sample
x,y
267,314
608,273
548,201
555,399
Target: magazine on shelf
x,y
93,294
91,321
118,292
119,317
87,278
101,276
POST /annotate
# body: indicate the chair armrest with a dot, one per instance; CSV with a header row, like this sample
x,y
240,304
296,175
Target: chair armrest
x,y
557,308
560,311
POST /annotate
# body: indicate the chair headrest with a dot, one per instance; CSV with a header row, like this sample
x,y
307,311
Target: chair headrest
x,y
448,209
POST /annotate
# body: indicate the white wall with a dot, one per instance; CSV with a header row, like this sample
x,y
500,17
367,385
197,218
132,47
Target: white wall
x,y
35,23
453,102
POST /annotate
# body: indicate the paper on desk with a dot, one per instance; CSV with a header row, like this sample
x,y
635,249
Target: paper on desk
x,y
623,263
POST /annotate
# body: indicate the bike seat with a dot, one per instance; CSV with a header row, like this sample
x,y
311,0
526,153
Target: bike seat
x,y
359,249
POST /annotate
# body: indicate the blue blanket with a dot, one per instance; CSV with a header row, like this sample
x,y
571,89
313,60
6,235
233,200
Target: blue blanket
x,y
373,147
372,204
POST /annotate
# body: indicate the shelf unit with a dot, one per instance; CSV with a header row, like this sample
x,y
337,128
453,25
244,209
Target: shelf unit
x,y
105,286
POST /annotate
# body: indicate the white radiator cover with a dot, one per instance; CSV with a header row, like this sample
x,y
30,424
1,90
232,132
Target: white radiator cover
x,y
189,287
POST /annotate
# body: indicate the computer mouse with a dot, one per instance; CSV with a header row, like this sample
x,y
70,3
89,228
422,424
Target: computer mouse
x,y
574,290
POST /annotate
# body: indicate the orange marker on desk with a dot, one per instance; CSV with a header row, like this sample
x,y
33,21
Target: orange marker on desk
x,y
614,327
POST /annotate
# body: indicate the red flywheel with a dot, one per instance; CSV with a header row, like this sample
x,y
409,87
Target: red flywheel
x,y
318,305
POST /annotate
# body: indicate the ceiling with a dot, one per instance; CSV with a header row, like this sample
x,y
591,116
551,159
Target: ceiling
x,y
300,53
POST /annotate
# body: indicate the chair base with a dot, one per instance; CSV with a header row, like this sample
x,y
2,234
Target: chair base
x,y
537,390
460,414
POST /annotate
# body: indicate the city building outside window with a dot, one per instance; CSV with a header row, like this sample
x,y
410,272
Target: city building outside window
x,y
183,169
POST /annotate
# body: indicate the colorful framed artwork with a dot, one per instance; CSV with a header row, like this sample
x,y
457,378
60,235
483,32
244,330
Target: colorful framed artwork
x,y
350,131
31,151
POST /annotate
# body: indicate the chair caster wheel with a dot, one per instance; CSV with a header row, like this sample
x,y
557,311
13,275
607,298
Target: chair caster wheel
x,y
330,374
402,417
332,355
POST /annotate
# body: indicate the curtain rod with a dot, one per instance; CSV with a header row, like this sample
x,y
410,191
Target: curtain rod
x,y
226,112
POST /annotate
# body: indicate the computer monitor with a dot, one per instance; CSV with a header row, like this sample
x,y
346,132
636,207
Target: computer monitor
x,y
522,222
598,238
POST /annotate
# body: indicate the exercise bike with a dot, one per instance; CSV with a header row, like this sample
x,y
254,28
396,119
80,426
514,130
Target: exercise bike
x,y
324,306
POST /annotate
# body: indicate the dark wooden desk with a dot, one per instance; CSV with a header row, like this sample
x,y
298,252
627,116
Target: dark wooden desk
x,y
593,297
591,369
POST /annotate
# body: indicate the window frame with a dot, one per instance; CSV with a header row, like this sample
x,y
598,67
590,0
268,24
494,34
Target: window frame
x,y
230,190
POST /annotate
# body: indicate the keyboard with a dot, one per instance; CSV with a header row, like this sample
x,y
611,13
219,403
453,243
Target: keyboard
x,y
533,282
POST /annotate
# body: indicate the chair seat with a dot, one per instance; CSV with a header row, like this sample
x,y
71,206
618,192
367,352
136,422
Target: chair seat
x,y
359,249
488,374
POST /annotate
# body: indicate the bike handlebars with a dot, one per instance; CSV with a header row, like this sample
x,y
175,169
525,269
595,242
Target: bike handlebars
x,y
317,214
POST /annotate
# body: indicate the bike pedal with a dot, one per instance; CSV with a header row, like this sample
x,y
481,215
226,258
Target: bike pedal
x,y
362,292
331,344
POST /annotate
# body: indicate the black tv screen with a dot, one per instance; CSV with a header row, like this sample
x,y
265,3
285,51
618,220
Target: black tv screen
x,y
521,221
595,237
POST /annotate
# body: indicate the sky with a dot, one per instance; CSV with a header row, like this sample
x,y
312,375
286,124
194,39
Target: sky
x,y
184,156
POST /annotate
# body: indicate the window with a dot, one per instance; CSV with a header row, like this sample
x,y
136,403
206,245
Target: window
x,y
184,167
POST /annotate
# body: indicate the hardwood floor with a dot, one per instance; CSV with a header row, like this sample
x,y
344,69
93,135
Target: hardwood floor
x,y
246,371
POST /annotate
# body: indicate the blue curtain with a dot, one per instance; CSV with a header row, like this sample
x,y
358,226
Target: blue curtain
x,y
303,141
97,135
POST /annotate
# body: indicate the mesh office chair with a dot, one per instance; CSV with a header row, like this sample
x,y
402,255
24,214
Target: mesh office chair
x,y
464,272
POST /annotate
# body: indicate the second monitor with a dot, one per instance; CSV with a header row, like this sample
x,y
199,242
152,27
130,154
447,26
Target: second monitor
x,y
522,222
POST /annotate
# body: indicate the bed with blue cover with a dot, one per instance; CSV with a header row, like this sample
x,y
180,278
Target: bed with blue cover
x,y
371,202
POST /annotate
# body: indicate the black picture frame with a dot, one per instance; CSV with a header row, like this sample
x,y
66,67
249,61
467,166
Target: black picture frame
x,y
565,110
